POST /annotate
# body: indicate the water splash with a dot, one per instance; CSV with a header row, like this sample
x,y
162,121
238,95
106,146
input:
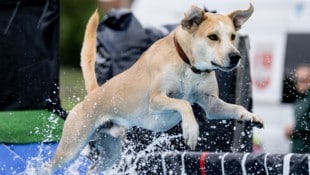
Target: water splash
x,y
128,164
35,165
42,152
131,159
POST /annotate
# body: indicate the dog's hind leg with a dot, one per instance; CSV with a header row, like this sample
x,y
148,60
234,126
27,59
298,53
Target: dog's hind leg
x,y
77,131
108,142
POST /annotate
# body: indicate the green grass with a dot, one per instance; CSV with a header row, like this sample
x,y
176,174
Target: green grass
x,y
72,89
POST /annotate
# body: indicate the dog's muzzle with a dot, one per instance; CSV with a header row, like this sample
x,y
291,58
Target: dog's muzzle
x,y
234,59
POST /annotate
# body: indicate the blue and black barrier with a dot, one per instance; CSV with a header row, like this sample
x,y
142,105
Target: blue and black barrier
x,y
223,163
16,158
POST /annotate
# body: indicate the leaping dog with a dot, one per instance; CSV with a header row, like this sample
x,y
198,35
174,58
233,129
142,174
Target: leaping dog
x,y
156,93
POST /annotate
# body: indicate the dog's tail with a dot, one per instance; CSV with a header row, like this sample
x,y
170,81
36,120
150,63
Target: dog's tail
x,y
88,53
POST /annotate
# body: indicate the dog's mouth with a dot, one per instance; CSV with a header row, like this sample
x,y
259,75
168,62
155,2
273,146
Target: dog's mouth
x,y
227,68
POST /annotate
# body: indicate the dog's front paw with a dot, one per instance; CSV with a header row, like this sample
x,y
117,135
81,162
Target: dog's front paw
x,y
190,134
255,119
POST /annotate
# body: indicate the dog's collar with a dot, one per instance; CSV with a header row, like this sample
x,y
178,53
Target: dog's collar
x,y
185,58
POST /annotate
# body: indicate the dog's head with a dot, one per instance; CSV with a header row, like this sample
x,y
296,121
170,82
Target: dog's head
x,y
212,37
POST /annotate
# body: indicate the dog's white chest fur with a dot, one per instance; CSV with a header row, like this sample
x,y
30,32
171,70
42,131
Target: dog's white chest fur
x,y
184,86
178,87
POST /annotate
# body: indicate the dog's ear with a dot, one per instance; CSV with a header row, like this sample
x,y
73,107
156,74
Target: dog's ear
x,y
239,17
192,18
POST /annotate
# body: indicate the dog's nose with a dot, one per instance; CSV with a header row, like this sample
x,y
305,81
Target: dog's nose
x,y
234,58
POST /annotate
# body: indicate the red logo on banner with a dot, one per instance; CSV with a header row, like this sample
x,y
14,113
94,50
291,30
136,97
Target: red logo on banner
x,y
262,69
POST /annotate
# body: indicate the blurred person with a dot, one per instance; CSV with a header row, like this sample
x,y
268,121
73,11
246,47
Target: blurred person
x,y
120,24
300,133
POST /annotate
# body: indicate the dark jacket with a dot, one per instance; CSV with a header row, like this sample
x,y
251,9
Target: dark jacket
x,y
29,55
301,133
121,41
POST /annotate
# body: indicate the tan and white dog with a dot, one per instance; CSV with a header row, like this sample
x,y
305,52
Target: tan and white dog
x,y
156,93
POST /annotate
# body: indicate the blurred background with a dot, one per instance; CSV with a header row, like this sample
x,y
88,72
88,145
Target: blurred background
x,y
279,32
73,18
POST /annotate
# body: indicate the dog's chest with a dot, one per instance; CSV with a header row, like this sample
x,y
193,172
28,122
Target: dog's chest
x,y
182,86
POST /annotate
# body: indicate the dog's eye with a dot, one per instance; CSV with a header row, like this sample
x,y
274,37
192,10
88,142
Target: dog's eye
x,y
233,37
213,37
